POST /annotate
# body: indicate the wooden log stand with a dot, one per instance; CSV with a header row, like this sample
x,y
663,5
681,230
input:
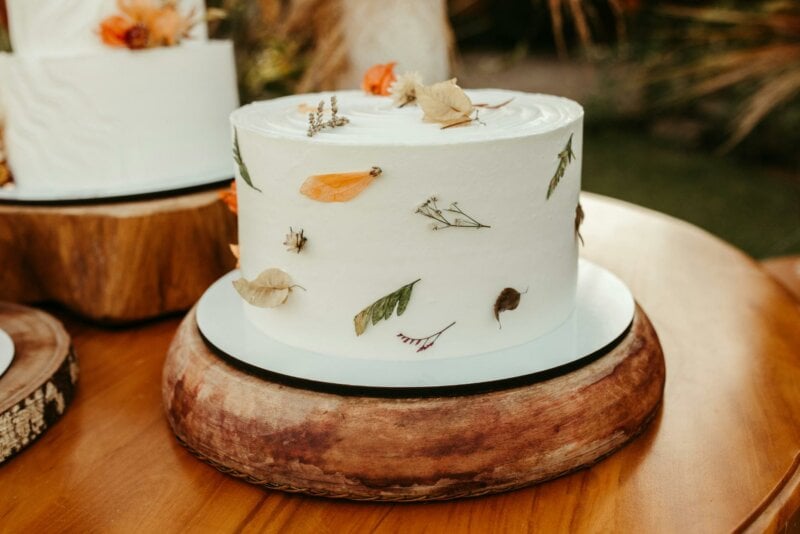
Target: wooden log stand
x,y
398,448
116,262
40,384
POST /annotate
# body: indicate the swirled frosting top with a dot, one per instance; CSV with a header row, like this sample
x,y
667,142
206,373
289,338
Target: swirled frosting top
x,y
375,120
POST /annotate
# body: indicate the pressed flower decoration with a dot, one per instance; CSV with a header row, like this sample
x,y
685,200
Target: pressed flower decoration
x,y
338,187
452,217
270,289
378,79
295,241
228,196
317,122
424,343
404,89
146,24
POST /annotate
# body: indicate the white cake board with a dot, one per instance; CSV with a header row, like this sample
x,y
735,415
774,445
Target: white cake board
x,y
6,351
603,313
15,193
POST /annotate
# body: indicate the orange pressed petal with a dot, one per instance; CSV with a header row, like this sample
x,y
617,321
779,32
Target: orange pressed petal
x,y
230,199
338,187
113,30
378,79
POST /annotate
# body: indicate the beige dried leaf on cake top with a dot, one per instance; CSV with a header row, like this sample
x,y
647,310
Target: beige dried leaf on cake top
x,y
445,103
270,289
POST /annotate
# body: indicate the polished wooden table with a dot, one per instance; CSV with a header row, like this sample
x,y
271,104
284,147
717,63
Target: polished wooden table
x,y
722,454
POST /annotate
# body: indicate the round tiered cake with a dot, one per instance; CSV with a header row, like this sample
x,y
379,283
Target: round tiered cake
x,y
89,109
365,230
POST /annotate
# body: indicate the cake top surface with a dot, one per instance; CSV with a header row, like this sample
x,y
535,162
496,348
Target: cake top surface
x,y
376,120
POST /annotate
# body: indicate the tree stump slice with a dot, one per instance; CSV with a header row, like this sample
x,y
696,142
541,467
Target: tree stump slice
x,y
116,262
40,384
409,448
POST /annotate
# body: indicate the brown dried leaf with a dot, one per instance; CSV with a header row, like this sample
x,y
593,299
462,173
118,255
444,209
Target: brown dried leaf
x,y
444,102
579,216
508,300
270,289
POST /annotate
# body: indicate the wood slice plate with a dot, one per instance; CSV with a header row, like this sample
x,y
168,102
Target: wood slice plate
x,y
40,384
116,262
409,448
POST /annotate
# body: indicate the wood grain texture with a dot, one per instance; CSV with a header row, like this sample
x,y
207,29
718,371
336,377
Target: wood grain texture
x,y
40,383
116,262
726,436
409,449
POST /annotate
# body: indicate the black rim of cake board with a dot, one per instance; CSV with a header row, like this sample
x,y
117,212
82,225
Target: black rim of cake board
x,y
459,390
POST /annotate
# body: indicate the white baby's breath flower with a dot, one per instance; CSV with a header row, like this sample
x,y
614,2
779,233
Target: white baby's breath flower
x,y
404,89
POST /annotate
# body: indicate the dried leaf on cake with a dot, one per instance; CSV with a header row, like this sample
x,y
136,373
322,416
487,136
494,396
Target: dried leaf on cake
x,y
445,103
270,289
338,187
579,216
237,157
378,79
506,301
383,308
565,157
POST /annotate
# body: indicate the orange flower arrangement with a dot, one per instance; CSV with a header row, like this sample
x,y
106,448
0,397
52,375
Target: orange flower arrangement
x,y
146,24
378,79
229,198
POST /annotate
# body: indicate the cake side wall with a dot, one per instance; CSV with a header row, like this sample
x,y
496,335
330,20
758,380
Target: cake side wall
x,y
364,249
119,117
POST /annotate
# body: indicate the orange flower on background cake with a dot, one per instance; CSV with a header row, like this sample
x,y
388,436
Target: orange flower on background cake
x,y
145,24
229,198
378,79
114,28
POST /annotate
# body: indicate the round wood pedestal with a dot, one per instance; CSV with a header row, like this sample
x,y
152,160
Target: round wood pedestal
x,y
396,448
37,388
118,261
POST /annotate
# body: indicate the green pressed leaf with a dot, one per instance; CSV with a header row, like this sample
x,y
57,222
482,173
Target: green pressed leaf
x,y
565,157
403,298
383,308
391,302
361,321
378,309
237,157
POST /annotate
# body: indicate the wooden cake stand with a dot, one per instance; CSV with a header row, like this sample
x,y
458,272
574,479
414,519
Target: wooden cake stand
x,y
40,384
117,261
397,447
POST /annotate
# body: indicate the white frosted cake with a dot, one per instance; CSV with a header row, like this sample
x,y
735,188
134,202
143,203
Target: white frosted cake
x,y
388,235
84,115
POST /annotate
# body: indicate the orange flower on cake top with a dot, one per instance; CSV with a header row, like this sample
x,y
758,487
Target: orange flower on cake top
x,y
146,24
378,79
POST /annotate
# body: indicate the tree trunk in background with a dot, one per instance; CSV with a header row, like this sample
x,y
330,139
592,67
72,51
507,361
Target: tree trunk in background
x,y
415,33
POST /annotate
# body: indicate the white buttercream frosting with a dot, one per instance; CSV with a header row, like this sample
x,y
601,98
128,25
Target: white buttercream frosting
x,y
361,250
119,117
